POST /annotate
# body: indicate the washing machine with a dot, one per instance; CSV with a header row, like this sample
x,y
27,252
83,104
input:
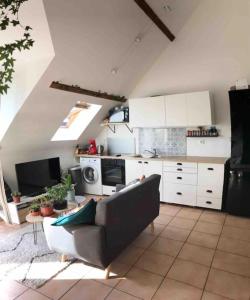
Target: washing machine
x,y
91,175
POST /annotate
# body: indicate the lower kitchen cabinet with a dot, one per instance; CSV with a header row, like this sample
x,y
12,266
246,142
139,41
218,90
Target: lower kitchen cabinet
x,y
137,168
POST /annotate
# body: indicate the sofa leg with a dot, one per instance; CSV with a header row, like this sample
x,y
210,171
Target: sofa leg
x,y
152,226
63,258
107,271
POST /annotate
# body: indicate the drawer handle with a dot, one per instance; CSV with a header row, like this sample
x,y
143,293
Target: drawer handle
x,y
210,169
179,178
113,191
178,193
209,191
179,164
145,162
208,202
139,162
179,169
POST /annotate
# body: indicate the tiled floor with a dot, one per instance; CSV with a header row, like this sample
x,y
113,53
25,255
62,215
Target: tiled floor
x,y
193,254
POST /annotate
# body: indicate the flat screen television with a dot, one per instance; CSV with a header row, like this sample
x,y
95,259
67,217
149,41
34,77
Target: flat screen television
x,y
34,176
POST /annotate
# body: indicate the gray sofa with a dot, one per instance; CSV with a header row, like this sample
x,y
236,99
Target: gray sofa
x,y
119,219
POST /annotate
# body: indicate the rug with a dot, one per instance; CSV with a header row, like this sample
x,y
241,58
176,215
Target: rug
x,y
29,264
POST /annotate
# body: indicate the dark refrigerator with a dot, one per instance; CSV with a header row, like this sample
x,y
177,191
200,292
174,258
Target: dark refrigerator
x,y
238,194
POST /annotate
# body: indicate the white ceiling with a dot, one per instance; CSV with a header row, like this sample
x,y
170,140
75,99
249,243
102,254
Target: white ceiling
x,y
90,37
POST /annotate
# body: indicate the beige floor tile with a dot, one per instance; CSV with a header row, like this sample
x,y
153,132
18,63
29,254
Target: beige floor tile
x,y
87,290
234,246
60,284
236,233
117,273
212,217
155,262
10,289
238,222
166,246
115,295
79,269
130,255
163,219
140,283
174,290
228,285
189,213
182,223
207,227
31,295
158,228
197,254
170,210
210,296
144,240
189,272
175,233
203,239
232,263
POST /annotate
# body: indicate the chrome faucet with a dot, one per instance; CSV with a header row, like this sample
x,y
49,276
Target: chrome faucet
x,y
154,152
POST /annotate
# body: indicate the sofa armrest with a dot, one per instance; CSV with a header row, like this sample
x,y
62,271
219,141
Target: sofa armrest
x,y
86,242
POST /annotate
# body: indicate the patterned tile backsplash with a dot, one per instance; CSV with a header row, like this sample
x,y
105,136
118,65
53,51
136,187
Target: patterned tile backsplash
x,y
167,141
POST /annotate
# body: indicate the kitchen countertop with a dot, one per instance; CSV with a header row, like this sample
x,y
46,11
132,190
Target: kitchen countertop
x,y
195,159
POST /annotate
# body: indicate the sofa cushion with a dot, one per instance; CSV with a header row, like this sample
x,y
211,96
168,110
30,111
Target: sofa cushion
x,y
85,215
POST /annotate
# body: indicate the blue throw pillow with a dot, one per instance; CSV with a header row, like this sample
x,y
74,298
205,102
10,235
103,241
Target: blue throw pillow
x,y
85,215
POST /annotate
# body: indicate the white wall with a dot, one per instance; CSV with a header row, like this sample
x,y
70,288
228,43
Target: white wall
x,y
211,52
30,64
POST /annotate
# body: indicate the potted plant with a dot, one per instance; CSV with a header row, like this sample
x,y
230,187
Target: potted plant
x,y
70,187
57,194
16,196
35,209
46,207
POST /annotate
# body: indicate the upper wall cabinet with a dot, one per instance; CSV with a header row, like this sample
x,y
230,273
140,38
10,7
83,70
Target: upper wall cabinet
x,y
147,112
180,110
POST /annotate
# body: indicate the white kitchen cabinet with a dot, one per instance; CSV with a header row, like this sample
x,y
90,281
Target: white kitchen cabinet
x,y
199,109
147,112
137,168
176,110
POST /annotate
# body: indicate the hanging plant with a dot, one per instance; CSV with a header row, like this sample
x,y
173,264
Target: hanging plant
x,y
9,17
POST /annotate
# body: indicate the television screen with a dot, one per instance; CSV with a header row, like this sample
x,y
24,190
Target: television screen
x,y
34,176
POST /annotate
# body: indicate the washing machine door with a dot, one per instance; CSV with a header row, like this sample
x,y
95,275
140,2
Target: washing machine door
x,y
90,174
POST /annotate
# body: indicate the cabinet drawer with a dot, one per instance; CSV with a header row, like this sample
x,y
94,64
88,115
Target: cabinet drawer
x,y
214,203
210,174
180,169
180,178
210,191
180,193
180,164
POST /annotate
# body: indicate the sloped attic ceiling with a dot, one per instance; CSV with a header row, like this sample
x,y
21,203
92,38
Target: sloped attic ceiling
x,y
90,37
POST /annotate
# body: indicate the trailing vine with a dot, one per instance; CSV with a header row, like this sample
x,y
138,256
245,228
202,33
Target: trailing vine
x,y
9,17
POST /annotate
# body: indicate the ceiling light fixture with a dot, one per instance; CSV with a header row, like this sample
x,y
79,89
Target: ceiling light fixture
x,y
114,71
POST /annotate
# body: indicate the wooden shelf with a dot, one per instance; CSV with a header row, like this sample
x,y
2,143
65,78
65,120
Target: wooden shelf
x,y
202,136
112,125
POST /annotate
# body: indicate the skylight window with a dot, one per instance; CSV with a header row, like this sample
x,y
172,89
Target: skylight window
x,y
76,121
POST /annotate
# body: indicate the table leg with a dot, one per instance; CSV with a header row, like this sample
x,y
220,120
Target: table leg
x,y
35,233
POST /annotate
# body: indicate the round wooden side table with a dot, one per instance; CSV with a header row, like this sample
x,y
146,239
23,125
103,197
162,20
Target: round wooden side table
x,y
35,220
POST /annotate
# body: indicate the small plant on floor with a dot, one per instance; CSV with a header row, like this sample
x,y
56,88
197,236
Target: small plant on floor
x,y
35,209
16,196
57,194
46,207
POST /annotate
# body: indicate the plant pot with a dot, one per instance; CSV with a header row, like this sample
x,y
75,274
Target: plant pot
x,y
16,199
47,211
35,213
60,205
70,196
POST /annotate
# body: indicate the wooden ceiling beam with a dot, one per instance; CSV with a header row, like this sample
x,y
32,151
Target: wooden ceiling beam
x,y
153,16
78,90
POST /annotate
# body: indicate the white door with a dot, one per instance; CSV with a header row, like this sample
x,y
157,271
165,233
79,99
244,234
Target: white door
x,y
199,109
147,112
176,112
154,167
133,169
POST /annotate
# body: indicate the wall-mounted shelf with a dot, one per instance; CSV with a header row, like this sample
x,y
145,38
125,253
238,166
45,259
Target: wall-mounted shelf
x,y
202,136
112,126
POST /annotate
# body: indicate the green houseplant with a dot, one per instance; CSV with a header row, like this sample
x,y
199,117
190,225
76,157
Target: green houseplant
x,y
46,207
70,187
16,196
57,195
35,209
